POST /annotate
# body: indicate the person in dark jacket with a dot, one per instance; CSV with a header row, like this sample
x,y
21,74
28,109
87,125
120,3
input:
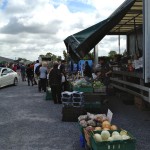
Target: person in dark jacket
x,y
105,73
23,72
30,74
87,71
55,83
63,75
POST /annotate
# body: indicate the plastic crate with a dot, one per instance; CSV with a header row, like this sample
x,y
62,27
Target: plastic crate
x,y
83,89
66,101
99,90
71,114
92,97
113,145
93,107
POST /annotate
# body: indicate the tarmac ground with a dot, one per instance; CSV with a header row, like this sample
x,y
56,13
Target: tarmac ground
x,y
28,122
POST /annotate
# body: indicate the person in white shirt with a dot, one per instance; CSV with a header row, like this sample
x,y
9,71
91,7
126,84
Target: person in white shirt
x,y
35,75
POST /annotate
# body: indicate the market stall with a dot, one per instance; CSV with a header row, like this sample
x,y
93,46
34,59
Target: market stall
x,y
84,97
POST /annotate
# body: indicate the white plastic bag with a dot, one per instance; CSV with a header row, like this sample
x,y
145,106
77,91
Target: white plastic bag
x,y
63,79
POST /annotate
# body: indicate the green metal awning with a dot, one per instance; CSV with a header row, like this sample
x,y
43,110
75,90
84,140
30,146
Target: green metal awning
x,y
122,21
73,42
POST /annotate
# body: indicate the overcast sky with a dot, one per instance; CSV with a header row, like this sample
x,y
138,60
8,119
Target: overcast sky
x,y
29,28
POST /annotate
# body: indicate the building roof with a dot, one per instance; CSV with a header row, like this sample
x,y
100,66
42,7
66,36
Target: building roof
x,y
124,20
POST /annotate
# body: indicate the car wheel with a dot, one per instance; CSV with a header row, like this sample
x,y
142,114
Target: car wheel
x,y
15,81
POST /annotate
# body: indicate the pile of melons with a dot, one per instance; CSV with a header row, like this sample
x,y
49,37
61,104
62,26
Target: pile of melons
x,y
107,136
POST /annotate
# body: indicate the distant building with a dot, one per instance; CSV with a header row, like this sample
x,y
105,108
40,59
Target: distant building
x,y
3,59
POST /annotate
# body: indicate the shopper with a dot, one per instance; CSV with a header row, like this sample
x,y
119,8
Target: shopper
x,y
35,75
87,71
63,75
23,72
43,77
55,83
30,75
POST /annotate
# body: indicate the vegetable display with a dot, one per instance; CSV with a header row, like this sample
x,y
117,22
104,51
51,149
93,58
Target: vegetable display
x,y
81,83
98,84
108,136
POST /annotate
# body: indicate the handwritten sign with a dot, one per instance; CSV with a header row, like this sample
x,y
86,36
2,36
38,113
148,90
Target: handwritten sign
x,y
109,115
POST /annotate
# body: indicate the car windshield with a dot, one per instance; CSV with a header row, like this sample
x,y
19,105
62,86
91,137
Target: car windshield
x,y
0,68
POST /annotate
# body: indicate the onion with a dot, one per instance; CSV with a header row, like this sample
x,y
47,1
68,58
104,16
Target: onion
x,y
113,127
97,129
106,124
106,129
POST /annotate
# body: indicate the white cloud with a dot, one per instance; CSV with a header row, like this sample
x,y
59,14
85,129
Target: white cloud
x,y
30,28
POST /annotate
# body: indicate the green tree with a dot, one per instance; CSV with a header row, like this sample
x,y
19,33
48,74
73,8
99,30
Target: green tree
x,y
112,54
89,56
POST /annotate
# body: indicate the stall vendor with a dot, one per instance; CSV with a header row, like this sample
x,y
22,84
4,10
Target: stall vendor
x,y
87,71
104,74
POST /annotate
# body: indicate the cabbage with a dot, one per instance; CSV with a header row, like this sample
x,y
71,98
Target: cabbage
x,y
125,137
110,139
97,137
115,133
105,135
117,137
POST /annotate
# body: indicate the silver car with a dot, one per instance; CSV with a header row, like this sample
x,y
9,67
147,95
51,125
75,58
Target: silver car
x,y
8,77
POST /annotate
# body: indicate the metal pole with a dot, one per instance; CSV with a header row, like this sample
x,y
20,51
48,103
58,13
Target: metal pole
x,y
119,43
96,55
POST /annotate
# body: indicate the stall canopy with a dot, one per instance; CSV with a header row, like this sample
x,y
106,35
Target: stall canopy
x,y
122,21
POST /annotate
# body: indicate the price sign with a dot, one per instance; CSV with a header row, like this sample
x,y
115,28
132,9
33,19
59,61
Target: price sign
x,y
109,115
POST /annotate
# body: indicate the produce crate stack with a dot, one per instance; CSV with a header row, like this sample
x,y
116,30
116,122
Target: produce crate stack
x,y
94,102
66,98
72,106
77,99
71,114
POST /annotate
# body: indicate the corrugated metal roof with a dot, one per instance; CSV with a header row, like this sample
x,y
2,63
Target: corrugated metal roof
x,y
133,18
122,21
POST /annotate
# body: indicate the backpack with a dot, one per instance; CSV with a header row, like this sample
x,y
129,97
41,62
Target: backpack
x,y
37,70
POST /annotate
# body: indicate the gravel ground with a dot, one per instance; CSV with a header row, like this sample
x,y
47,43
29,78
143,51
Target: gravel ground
x,y
28,122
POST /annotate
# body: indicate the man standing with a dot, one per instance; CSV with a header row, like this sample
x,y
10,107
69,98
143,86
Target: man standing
x,y
23,72
35,75
62,69
87,71
55,83
105,73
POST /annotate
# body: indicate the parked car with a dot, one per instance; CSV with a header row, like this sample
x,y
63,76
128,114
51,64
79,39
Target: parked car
x,y
8,77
